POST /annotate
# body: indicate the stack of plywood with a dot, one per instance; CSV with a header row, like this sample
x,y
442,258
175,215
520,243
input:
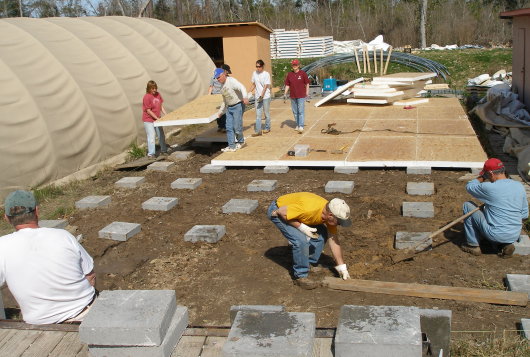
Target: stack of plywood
x,y
317,46
390,88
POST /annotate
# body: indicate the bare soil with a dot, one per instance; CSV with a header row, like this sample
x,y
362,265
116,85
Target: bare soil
x,y
251,263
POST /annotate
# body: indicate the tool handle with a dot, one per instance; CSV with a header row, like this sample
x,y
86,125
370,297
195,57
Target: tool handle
x,y
449,225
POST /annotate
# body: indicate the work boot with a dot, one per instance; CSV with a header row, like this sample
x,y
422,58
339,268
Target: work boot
x,y
256,134
507,251
306,283
471,249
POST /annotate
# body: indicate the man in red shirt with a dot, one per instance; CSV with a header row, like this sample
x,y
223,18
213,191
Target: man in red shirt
x,y
297,83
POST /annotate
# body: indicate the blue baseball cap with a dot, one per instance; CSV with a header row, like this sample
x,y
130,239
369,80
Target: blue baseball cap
x,y
20,198
218,72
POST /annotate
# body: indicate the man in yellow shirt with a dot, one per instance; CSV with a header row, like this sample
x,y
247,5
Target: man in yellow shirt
x,y
308,221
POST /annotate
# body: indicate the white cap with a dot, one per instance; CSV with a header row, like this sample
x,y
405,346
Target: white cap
x,y
340,209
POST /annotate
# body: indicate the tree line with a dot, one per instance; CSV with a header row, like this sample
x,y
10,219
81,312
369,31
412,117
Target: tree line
x,y
445,21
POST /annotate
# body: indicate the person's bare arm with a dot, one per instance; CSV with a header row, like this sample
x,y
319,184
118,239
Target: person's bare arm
x,y
282,214
336,250
150,112
91,277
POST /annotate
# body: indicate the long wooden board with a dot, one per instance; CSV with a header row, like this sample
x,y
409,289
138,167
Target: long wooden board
x,y
202,110
338,91
429,291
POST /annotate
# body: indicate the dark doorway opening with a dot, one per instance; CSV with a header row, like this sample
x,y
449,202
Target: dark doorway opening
x,y
213,47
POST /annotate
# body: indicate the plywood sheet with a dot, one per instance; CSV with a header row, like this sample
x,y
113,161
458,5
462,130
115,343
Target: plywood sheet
x,y
404,77
340,143
393,112
449,127
349,128
391,127
383,148
351,112
447,148
199,111
338,91
442,113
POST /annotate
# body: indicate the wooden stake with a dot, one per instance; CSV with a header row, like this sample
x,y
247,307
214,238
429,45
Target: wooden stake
x,y
388,59
381,61
364,59
368,59
375,60
357,60
430,291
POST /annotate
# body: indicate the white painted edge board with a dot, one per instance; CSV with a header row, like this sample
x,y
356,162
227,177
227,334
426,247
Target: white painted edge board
x,y
395,84
187,121
376,94
370,86
338,91
412,102
367,101
419,77
374,90
360,164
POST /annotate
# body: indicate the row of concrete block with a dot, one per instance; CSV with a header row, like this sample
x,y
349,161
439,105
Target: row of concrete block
x,y
149,323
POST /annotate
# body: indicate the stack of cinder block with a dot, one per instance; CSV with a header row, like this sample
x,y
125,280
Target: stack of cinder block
x,y
134,323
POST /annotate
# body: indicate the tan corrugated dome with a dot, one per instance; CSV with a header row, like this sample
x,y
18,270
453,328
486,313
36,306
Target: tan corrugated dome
x,y
71,90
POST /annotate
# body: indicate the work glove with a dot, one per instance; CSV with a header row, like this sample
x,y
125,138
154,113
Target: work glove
x,y
260,99
308,98
343,271
284,98
308,231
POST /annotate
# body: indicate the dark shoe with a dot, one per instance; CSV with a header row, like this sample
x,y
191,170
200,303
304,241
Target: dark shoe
x,y
266,131
256,134
219,130
306,283
507,251
471,249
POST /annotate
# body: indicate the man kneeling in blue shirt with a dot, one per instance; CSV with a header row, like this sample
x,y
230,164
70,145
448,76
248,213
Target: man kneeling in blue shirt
x,y
505,206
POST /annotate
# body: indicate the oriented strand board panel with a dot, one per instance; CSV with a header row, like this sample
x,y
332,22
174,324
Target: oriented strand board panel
x,y
199,111
435,134
338,91
404,77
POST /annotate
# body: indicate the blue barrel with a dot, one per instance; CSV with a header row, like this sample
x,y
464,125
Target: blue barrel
x,y
330,84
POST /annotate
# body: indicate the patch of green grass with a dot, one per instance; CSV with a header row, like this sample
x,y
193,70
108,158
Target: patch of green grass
x,y
136,152
61,212
488,344
47,193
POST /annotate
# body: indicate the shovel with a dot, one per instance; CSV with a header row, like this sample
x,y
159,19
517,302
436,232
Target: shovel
x,y
409,253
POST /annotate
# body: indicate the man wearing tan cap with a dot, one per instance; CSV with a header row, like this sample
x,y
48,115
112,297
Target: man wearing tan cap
x,y
48,272
308,221
505,206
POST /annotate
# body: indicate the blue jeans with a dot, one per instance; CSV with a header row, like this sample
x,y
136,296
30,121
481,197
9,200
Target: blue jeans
x,y
150,131
297,105
264,107
234,125
304,252
476,227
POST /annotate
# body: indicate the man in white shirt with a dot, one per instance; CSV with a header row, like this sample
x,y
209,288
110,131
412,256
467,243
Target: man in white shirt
x,y
261,81
48,272
234,97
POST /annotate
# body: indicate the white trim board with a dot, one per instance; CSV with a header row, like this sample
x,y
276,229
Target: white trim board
x,y
367,101
376,94
338,91
404,77
187,121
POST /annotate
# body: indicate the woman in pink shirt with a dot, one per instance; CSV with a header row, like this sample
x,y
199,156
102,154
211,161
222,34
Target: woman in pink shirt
x,y
151,108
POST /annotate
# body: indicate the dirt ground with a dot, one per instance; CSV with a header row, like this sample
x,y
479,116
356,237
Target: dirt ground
x,y
251,263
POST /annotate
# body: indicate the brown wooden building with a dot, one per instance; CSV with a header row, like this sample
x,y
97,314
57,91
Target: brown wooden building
x,y
521,52
237,44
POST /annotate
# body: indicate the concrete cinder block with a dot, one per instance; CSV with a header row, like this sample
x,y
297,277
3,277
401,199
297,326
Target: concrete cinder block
x,y
181,155
121,231
436,324
205,233
93,202
279,334
186,183
418,241
175,330
522,246
420,188
276,169
262,185
160,203
525,325
348,170
518,282
339,186
418,209
130,182
234,309
378,331
419,170
129,318
53,223
301,150
475,170
161,166
212,169
240,206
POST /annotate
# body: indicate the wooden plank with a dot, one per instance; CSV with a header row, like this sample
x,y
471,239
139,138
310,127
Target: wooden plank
x,y
44,344
189,346
6,336
213,346
69,346
19,325
322,347
200,110
18,343
83,352
338,91
430,291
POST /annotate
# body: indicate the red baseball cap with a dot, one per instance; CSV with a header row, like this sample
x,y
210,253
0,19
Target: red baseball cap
x,y
491,165
295,62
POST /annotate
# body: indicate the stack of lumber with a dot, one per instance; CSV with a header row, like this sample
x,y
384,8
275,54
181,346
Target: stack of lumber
x,y
287,44
390,88
317,46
